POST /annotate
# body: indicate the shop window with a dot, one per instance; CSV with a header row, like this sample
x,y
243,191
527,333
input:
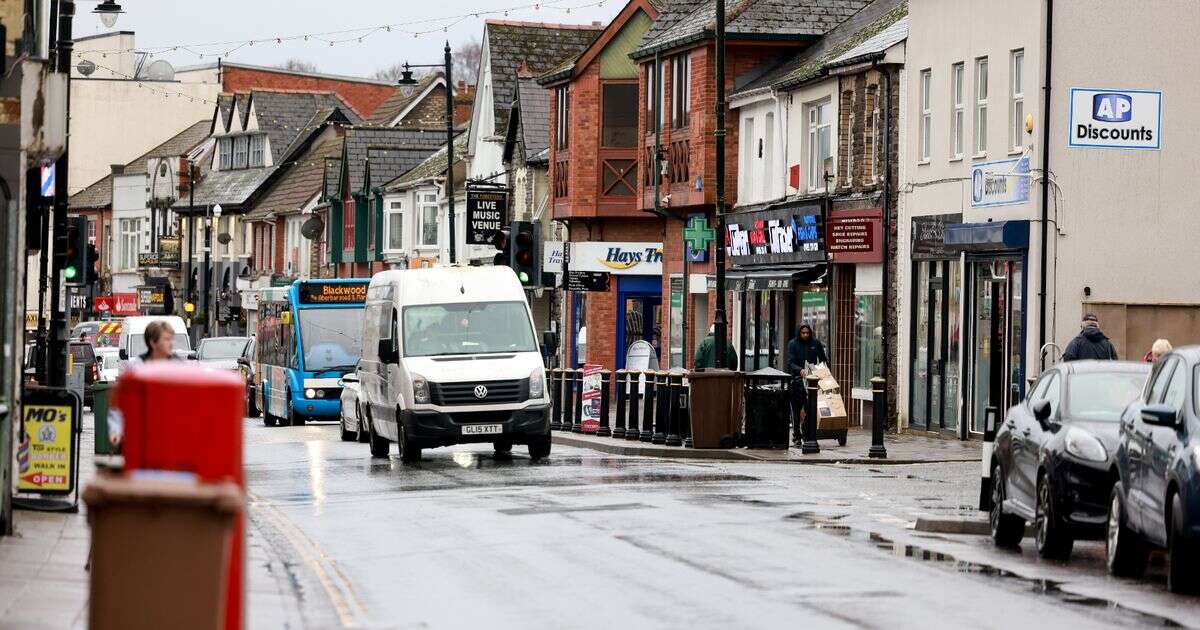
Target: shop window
x,y
814,311
677,343
868,339
619,125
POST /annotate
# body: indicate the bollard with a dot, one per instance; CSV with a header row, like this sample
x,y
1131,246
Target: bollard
x,y
555,399
878,418
674,385
662,409
685,416
618,431
632,433
810,445
568,412
605,393
577,420
648,407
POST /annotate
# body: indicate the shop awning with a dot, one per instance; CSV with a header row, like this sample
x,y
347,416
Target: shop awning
x,y
991,236
771,280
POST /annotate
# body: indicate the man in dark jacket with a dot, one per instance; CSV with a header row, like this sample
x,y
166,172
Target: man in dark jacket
x,y
1090,343
802,350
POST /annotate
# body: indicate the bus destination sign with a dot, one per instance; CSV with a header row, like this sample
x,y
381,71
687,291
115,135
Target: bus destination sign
x,y
331,293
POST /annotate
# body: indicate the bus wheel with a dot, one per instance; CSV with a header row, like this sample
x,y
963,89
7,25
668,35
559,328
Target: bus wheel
x,y
268,419
294,419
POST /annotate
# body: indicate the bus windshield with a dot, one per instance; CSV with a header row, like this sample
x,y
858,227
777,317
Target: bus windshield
x,y
331,338
477,328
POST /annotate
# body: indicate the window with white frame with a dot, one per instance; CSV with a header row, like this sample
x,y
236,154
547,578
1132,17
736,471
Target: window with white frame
x,y
768,156
91,230
957,77
681,90
820,143
241,151
848,104
981,105
395,226
429,219
130,235
258,144
225,150
292,244
926,114
1018,99
561,120
749,156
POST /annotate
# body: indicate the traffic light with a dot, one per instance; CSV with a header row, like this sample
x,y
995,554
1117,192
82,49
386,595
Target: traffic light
x,y
525,259
76,264
90,271
504,244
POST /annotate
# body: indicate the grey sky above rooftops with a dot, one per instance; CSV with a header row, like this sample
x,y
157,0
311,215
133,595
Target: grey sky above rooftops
x,y
167,23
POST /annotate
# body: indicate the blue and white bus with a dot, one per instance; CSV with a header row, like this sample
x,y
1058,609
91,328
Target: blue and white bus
x,y
309,336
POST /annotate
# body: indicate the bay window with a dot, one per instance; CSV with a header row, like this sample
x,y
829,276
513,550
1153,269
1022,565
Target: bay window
x,y
618,128
428,214
394,224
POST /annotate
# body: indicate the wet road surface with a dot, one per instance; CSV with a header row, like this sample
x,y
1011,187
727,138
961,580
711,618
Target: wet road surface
x,y
588,540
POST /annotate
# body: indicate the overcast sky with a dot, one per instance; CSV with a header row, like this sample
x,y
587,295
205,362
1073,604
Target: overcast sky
x,y
161,23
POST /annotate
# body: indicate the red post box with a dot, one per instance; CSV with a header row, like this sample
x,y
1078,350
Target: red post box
x,y
180,417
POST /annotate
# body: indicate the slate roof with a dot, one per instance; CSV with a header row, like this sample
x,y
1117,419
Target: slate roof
x,y
298,184
284,115
398,102
229,188
99,194
392,151
433,166
877,24
534,103
536,47
688,21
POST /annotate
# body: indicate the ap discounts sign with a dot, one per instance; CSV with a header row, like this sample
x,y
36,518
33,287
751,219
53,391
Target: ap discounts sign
x,y
1115,119
487,214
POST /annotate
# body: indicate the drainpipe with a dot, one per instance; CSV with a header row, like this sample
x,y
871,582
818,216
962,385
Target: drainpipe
x,y
1045,180
658,115
887,232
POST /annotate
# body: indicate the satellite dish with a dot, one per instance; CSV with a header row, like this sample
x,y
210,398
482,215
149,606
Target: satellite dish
x,y
224,238
86,67
312,228
160,70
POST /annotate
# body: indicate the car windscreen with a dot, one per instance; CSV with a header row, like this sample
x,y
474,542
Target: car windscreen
x,y
1102,396
331,338
137,344
220,348
473,328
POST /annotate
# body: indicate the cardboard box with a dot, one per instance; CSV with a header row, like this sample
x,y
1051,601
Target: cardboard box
x,y
831,412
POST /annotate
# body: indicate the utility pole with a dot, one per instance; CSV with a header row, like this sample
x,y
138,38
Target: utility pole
x,y
207,282
720,321
57,363
450,151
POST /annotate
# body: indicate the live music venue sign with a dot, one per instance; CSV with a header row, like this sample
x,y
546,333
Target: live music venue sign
x,y
487,214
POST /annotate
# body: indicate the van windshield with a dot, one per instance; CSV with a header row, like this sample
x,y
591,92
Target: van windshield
x,y
475,328
137,344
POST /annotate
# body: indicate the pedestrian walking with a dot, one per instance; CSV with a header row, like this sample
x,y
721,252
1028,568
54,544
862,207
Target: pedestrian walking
x,y
1159,348
706,352
1090,343
803,350
160,346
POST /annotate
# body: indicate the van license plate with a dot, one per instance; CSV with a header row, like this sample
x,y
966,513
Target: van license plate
x,y
482,429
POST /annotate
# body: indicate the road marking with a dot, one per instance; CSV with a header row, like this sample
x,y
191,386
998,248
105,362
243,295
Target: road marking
x,y
342,594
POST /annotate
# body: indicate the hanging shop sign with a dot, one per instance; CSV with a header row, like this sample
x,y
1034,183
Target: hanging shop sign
x,y
929,236
167,256
151,298
855,236
1115,119
47,449
1000,183
487,214
791,234
621,259
587,280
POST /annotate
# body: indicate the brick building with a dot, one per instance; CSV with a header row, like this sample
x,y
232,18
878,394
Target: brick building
x,y
361,94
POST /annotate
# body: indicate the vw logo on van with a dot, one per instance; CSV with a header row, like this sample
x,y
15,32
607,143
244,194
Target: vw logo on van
x,y
480,391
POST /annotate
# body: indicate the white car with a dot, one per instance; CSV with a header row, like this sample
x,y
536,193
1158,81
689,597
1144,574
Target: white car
x,y
351,418
109,360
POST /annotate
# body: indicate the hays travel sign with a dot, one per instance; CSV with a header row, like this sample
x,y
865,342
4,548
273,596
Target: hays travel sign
x,y
622,259
779,236
1115,119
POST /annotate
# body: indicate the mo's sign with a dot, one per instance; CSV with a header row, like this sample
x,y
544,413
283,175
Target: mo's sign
x,y
1115,119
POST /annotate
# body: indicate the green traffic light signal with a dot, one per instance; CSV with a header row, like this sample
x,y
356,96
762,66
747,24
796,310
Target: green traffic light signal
x,y
70,273
523,277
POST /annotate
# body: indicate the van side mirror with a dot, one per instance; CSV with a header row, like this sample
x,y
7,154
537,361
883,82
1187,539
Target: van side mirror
x,y
192,355
1041,411
123,353
243,361
387,354
350,378
1160,416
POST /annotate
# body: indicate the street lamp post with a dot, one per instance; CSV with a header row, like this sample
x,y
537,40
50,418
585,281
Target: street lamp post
x,y
208,274
407,83
720,321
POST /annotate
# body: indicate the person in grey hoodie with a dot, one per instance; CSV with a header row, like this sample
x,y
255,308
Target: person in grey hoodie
x,y
1090,343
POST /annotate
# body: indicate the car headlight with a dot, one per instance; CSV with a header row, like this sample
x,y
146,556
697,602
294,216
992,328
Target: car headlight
x,y
310,393
1085,446
537,383
420,389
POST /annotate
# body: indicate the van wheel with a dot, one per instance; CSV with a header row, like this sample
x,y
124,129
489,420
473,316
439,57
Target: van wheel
x,y
409,453
363,436
1125,553
379,444
1007,529
1053,542
539,447
1182,558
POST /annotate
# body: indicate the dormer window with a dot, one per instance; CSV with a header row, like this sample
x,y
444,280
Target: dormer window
x,y
257,146
241,151
244,151
225,147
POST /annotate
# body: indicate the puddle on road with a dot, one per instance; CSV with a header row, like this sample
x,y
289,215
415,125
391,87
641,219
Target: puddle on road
x,y
828,524
565,509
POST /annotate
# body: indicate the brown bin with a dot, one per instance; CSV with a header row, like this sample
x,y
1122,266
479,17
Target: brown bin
x,y
159,552
715,406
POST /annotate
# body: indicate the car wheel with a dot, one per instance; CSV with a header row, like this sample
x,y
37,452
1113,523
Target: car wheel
x,y
409,452
268,420
539,447
252,406
1053,541
1125,553
1182,558
347,434
363,436
1007,529
379,444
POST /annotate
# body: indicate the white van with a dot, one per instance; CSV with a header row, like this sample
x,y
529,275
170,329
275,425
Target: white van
x,y
133,335
450,356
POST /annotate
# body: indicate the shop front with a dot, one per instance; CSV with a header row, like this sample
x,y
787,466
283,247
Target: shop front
x,y
968,324
616,298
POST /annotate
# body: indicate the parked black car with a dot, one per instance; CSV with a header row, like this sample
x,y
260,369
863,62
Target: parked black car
x,y
1156,502
1053,457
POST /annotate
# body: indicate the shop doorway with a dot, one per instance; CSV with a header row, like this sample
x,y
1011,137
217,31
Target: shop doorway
x,y
639,315
996,352
936,345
